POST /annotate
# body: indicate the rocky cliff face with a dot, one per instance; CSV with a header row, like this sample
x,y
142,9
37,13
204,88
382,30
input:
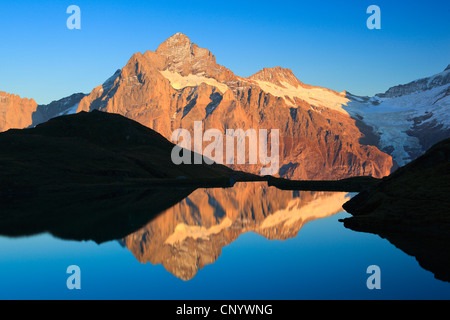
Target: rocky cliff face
x,y
181,83
192,233
15,112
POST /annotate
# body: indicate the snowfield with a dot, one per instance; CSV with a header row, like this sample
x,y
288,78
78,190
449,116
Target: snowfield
x,y
392,118
70,110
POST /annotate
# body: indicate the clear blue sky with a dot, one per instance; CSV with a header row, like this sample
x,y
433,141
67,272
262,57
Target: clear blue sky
x,y
325,43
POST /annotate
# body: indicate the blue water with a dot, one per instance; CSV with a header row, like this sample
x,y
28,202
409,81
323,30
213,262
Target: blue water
x,y
324,261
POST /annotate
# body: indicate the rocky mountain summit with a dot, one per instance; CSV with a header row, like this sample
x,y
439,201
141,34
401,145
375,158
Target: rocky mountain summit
x,y
181,83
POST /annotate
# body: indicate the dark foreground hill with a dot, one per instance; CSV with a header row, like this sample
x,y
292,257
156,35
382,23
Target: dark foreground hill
x,y
100,176
88,149
92,176
411,208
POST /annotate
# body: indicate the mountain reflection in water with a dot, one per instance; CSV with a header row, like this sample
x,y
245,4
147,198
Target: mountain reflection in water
x,y
192,233
185,229
181,228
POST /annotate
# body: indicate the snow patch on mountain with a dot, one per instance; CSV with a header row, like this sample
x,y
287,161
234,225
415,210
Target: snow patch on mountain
x,y
70,110
316,96
179,82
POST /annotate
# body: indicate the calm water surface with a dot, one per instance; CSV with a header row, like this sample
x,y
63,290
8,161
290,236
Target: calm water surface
x,y
247,242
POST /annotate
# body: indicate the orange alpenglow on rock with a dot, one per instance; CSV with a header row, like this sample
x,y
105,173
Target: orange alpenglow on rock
x,y
15,112
181,83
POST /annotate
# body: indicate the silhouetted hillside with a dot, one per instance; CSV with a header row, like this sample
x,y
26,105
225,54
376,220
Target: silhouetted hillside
x,y
411,208
95,148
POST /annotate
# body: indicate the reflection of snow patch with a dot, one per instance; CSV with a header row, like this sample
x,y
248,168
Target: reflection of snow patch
x,y
297,210
183,231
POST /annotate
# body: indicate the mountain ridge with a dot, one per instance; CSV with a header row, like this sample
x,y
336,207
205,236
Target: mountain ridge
x,y
180,83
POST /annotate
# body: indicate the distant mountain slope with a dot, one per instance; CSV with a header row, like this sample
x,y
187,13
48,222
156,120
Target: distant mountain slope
x,y
19,113
64,106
